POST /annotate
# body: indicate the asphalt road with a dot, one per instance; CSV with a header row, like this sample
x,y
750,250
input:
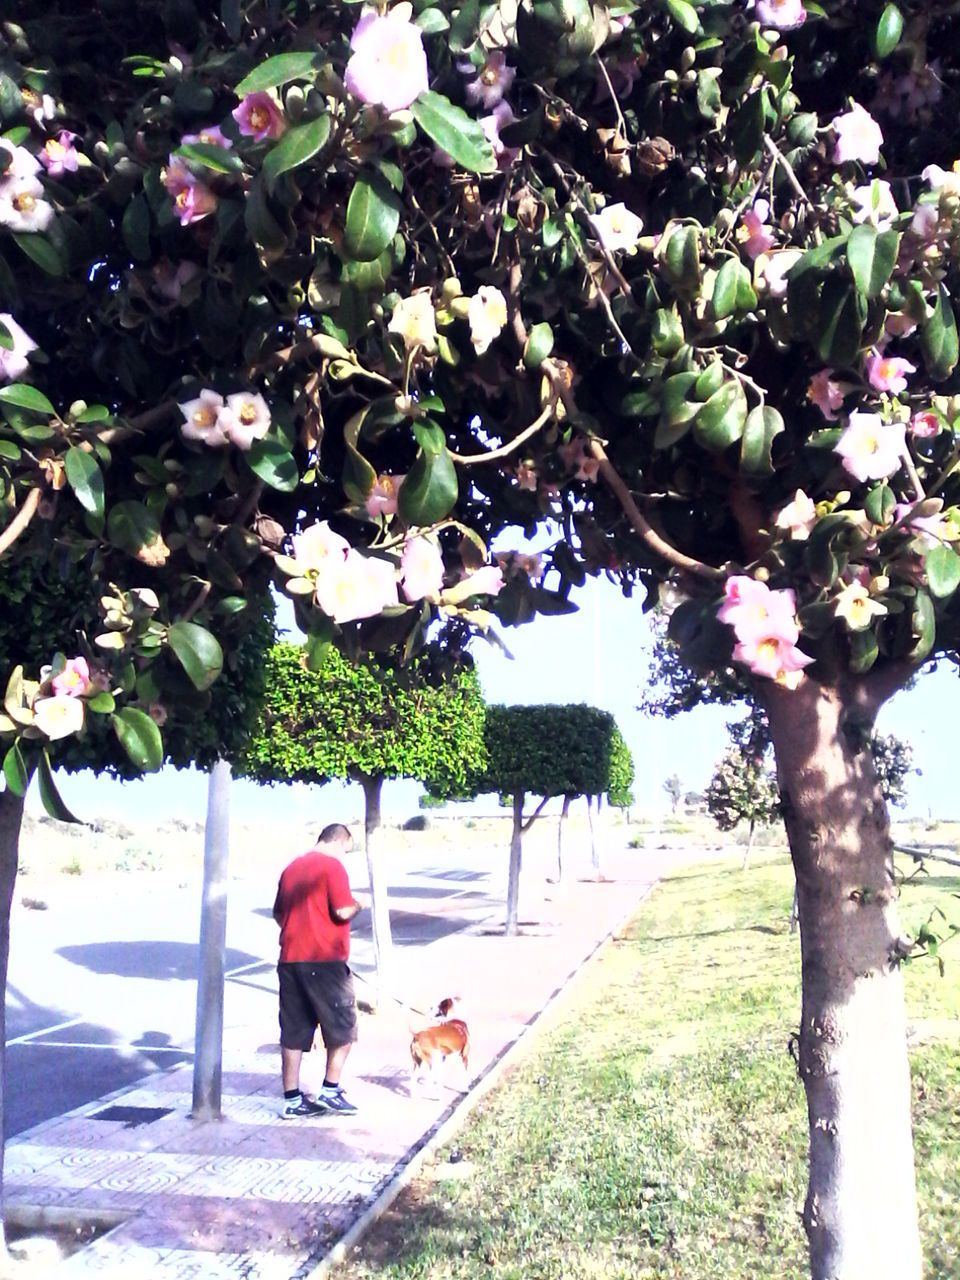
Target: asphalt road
x,y
101,987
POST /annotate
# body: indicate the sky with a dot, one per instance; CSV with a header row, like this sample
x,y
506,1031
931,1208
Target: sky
x,y
599,655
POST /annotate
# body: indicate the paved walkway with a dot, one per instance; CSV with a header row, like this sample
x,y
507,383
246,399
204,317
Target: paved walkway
x,y
257,1197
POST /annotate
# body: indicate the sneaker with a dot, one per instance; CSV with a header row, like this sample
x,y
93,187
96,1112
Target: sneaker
x,y
335,1101
297,1108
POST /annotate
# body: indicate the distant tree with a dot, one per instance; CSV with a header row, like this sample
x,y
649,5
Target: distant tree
x,y
674,789
893,761
744,785
367,721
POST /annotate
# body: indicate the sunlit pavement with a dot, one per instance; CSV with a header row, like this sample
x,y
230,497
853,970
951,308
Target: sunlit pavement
x,y
253,1195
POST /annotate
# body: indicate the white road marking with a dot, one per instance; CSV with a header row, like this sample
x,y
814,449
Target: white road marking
x,y
44,1031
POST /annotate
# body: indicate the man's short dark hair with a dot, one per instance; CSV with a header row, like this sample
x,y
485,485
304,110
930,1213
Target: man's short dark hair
x,y
335,832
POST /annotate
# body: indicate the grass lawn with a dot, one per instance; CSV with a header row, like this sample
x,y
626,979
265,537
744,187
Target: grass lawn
x,y
657,1127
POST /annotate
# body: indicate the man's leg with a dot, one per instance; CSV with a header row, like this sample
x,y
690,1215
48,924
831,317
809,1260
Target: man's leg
x,y
335,1059
290,1068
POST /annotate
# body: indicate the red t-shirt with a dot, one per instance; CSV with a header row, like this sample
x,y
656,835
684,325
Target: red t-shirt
x,y
310,889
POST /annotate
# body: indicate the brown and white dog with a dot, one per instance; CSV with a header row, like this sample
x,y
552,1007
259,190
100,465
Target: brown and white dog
x,y
431,1047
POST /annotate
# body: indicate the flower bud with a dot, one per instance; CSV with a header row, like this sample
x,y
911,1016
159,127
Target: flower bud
x,y
688,58
78,407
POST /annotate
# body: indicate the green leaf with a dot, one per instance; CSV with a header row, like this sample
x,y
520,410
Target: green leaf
x,y
942,567
680,260
39,250
212,156
722,419
25,397
102,702
131,526
879,503
430,489
684,14
888,31
49,795
432,20
726,288
85,479
198,651
538,346
135,228
872,255
746,128
763,425
274,464
15,770
276,71
373,216
295,148
139,737
841,316
938,338
10,450
924,626
456,133
864,650
260,222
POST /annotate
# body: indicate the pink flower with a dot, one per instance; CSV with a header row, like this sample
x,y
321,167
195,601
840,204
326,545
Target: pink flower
x,y
259,117
192,200
14,363
773,657
492,83
871,449
382,498
930,528
754,234
754,611
859,137
924,424
888,373
318,546
798,517
388,67
782,14
826,394
73,680
212,136
357,587
421,569
59,155
206,419
169,280
491,125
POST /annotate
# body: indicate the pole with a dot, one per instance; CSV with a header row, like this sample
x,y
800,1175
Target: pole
x,y
208,1039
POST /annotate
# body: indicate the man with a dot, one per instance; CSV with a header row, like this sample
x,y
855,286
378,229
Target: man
x,y
314,907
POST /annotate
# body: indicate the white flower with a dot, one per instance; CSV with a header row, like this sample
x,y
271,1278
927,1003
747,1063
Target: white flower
x,y
23,163
416,322
616,227
22,206
206,419
873,202
856,607
945,180
770,271
356,587
14,363
59,716
487,314
870,448
317,547
249,418
798,517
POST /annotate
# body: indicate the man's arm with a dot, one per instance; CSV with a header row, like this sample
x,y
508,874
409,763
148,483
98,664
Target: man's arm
x,y
343,915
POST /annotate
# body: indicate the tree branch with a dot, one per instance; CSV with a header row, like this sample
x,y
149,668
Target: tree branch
x,y
504,450
20,521
536,814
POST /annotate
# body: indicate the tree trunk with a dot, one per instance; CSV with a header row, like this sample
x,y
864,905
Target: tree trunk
x,y
860,1213
560,825
749,848
379,902
513,881
208,1039
11,817
595,844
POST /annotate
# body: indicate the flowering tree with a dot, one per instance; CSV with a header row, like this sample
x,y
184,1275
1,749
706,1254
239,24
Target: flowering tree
x,y
335,295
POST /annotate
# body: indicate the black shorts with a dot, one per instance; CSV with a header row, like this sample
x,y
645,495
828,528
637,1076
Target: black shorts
x,y
316,994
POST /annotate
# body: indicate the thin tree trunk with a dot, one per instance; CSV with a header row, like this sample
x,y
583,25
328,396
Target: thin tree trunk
x,y
860,1213
516,847
379,901
560,826
208,1040
11,818
594,842
749,848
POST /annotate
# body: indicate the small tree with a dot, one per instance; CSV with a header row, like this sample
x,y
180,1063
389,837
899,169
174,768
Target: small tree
x,y
367,721
744,785
674,789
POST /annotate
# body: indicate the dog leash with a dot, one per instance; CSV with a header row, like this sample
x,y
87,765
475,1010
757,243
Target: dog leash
x,y
402,1003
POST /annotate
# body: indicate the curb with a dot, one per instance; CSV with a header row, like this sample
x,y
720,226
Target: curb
x,y
450,1123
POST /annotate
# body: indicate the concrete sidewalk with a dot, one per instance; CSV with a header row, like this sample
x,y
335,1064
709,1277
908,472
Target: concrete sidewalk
x,y
257,1197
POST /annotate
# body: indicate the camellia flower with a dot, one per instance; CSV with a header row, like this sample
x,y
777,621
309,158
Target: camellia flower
x,y
930,528
318,547
924,424
259,117
382,498
856,606
826,394
888,373
492,83
773,657
421,569
22,206
357,587
388,66
23,163
859,137
204,419
782,14
59,155
486,581
617,227
170,281
755,612
771,270
192,199
873,202
754,234
501,115
945,180
14,363
798,517
870,448
416,321
212,135
59,716
41,106
249,418
487,314
74,680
